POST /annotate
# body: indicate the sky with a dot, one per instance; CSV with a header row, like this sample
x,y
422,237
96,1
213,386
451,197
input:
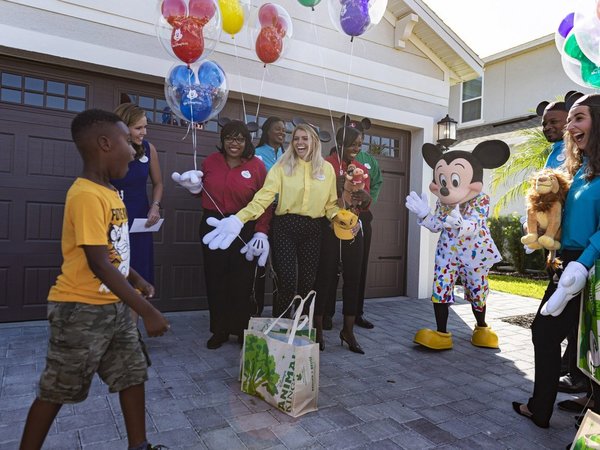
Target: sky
x,y
491,26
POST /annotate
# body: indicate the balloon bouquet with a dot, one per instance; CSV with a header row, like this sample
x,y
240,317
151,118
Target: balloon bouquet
x,y
355,17
197,90
578,41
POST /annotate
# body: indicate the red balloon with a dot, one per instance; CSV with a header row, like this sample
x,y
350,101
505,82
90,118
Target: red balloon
x,y
268,15
281,26
173,10
187,40
269,45
202,9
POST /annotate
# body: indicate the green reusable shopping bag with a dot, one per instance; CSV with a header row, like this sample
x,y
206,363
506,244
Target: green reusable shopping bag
x,y
588,353
282,368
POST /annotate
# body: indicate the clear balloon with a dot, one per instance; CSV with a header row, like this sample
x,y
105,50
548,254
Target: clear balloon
x,y
355,17
190,36
196,93
564,28
577,65
586,27
271,30
234,14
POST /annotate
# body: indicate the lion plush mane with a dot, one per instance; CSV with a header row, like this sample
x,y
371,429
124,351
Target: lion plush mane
x,y
545,199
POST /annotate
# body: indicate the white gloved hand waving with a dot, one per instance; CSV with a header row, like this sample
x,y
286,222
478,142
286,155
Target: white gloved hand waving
x,y
258,246
571,282
191,180
418,205
454,220
226,230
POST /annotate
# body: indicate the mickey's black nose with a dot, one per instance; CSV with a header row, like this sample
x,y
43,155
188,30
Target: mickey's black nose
x,y
445,192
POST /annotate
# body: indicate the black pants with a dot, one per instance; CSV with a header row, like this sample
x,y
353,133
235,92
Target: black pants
x,y
548,332
228,277
295,251
366,217
351,254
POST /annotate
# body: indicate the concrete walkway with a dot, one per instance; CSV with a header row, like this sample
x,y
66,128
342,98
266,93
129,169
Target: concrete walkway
x,y
398,395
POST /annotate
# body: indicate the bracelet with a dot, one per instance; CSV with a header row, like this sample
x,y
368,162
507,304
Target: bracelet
x,y
157,203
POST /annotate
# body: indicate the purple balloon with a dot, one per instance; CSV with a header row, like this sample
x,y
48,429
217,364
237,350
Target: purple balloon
x,y
354,17
566,25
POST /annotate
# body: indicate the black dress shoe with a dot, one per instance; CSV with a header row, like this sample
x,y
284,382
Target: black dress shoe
x,y
363,323
572,406
216,340
352,344
570,385
517,407
327,323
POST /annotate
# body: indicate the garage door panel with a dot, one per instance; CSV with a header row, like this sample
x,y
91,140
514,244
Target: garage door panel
x,y
4,277
52,157
7,152
5,219
37,280
43,222
186,226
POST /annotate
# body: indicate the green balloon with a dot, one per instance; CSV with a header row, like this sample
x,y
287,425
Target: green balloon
x,y
309,3
590,72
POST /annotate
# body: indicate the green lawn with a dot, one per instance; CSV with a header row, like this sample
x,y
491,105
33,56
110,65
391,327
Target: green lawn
x,y
518,286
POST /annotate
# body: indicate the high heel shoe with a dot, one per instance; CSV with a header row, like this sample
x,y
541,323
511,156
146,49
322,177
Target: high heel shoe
x,y
321,343
353,346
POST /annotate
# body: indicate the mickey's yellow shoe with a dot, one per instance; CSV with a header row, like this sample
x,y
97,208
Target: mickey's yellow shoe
x,y
434,340
484,337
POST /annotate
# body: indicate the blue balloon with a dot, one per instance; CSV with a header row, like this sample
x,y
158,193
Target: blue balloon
x,y
211,74
182,76
354,17
196,104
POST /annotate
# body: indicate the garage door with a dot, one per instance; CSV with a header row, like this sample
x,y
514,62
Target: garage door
x,y
38,163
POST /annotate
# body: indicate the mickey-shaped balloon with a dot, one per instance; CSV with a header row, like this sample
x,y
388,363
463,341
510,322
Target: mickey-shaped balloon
x,y
465,248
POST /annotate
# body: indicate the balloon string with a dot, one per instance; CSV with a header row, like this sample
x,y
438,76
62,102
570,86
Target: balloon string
x,y
322,65
220,211
237,60
339,147
262,83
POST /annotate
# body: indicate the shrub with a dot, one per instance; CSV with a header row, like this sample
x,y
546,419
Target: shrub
x,y
506,232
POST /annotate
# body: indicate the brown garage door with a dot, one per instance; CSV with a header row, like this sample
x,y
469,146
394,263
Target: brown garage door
x,y
38,163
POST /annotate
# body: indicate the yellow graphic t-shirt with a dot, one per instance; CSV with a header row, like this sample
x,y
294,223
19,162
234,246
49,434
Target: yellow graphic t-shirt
x,y
94,215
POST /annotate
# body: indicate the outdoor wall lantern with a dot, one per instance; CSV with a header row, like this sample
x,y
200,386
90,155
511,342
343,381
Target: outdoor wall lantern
x,y
446,132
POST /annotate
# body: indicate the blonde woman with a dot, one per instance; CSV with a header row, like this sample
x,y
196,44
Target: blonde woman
x,y
306,187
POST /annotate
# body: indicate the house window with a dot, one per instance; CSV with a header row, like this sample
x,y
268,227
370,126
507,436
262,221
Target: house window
x,y
159,112
471,100
42,93
379,145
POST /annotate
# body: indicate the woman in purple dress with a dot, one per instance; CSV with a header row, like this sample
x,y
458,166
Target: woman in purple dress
x,y
133,189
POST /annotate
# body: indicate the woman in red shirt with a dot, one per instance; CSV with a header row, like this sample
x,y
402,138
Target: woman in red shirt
x,y
231,178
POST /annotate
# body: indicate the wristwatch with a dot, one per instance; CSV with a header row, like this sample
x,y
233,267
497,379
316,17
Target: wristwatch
x,y
157,203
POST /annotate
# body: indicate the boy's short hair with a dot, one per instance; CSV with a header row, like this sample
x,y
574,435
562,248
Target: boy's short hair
x,y
85,120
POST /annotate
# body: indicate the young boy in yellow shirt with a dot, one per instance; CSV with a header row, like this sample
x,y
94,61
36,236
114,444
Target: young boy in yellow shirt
x,y
91,330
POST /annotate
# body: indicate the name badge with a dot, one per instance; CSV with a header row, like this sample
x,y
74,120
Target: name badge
x,y
560,157
143,159
246,174
368,166
320,177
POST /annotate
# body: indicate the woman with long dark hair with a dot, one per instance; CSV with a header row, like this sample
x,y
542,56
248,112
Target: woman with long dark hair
x,y
559,308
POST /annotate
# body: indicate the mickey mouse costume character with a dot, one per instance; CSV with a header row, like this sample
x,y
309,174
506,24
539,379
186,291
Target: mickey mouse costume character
x,y
465,247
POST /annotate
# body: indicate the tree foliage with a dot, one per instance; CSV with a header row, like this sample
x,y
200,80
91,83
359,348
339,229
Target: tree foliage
x,y
259,367
527,158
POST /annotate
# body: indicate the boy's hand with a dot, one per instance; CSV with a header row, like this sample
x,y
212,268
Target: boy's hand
x,y
139,283
155,323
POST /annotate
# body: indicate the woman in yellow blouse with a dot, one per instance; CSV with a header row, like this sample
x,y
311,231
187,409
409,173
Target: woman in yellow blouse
x,y
306,187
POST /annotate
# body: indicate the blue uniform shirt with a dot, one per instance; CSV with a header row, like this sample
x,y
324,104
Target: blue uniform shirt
x,y
556,156
581,218
267,155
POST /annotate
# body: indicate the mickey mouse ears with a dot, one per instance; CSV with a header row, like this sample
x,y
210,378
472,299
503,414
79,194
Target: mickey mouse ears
x,y
252,126
361,126
570,98
324,136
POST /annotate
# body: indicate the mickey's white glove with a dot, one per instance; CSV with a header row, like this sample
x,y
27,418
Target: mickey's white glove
x,y
571,282
191,180
258,246
418,205
454,219
528,249
226,230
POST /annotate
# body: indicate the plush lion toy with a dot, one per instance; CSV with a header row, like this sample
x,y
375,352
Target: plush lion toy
x,y
545,199
355,181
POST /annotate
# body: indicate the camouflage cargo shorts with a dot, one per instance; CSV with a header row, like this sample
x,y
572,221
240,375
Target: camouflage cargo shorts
x,y
88,339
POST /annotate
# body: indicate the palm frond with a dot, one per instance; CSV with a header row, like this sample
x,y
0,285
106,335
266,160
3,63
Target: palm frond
x,y
514,193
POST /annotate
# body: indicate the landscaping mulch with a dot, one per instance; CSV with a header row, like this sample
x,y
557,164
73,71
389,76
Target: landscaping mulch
x,y
523,320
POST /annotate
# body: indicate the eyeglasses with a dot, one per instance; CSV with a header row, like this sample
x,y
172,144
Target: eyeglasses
x,y
238,139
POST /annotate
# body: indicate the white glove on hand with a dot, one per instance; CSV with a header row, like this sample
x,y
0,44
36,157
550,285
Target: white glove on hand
x,y
258,246
528,249
226,230
454,220
571,282
191,180
418,205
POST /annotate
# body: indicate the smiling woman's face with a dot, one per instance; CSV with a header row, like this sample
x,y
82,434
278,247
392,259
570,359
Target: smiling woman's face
x,y
302,144
579,125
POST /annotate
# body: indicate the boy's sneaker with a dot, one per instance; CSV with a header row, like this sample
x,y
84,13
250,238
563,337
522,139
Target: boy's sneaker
x,y
157,447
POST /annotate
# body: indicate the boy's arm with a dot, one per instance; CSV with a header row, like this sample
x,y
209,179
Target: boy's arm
x,y
139,283
97,258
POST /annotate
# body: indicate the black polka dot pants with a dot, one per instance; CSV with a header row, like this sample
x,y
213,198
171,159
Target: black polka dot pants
x,y
295,245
